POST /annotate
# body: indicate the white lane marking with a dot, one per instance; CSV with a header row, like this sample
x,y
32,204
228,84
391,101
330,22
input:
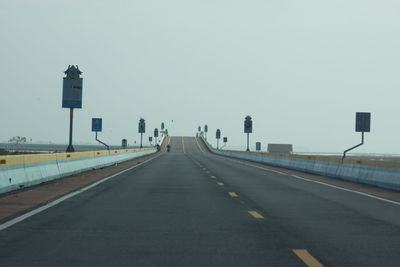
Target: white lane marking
x,y
318,182
63,198
183,146
199,146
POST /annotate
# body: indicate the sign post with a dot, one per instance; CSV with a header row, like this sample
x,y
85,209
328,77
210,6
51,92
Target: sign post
x,y
97,127
72,97
162,128
248,129
218,136
156,134
142,130
363,124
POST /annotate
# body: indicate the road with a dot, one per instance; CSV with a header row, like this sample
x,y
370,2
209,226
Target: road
x,y
191,208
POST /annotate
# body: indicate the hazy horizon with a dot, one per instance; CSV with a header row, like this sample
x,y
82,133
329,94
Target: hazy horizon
x,y
300,69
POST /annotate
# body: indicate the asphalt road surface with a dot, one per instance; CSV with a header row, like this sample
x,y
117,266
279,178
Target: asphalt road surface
x,y
190,208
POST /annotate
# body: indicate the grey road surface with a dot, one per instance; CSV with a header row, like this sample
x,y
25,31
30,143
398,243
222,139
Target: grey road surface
x,y
191,208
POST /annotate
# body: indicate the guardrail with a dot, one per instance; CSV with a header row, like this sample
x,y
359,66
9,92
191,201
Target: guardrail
x,y
20,171
385,176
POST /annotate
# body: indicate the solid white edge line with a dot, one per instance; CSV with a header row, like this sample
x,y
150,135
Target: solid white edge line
x,y
317,182
183,146
65,197
199,146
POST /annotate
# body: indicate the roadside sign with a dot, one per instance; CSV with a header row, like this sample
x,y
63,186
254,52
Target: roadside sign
x,y
218,134
155,132
150,138
142,126
72,93
248,125
225,139
96,124
258,146
124,143
363,121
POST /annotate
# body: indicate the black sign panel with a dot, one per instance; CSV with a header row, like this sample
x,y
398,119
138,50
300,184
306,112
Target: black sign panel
x,y
142,126
248,125
258,146
155,132
225,139
218,134
363,122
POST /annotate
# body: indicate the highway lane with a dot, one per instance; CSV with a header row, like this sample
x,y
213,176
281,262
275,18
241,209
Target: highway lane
x,y
340,227
190,208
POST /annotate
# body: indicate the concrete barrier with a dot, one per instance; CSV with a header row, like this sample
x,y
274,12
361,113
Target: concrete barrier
x,y
355,171
21,171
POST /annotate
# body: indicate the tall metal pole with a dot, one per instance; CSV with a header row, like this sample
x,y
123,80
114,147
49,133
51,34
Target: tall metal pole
x,y
247,142
107,146
362,142
70,148
141,140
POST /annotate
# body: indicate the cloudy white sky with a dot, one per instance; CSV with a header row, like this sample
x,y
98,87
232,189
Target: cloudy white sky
x,y
301,69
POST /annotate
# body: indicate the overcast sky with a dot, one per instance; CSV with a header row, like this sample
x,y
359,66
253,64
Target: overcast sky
x,y
301,69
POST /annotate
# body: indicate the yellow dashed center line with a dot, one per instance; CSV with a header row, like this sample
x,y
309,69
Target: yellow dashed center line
x,y
255,214
213,177
232,194
204,169
220,184
307,258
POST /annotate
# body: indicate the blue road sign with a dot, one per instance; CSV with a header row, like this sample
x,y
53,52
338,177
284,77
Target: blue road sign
x,y
96,125
72,93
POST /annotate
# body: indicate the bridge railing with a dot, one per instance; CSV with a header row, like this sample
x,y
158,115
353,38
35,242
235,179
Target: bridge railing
x,y
386,175
19,171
